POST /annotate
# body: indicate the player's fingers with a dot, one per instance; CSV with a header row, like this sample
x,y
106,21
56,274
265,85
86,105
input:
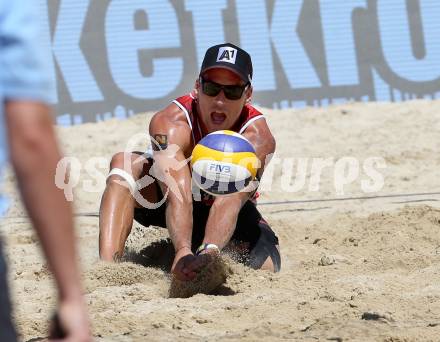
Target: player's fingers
x,y
199,262
183,273
190,274
185,276
179,275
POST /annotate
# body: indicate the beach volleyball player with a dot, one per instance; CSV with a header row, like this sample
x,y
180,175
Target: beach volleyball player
x,y
198,228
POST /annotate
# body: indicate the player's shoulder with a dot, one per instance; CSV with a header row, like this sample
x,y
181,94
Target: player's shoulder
x,y
259,132
171,123
257,123
170,117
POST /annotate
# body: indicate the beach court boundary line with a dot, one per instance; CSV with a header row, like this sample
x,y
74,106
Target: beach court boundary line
x,y
334,199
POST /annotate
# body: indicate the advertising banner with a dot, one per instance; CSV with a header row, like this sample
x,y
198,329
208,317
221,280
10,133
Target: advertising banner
x,y
114,58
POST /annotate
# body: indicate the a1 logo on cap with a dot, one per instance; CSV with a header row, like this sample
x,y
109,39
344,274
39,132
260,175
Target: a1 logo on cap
x,y
227,54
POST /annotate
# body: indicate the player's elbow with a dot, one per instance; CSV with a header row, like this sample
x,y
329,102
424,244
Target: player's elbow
x,y
272,144
269,151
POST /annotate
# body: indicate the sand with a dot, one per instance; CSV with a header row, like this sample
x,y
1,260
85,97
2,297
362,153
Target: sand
x,y
365,269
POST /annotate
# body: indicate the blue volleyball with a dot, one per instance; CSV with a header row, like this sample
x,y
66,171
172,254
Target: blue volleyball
x,y
223,162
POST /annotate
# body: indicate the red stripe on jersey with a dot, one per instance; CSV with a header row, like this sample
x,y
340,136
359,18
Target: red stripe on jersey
x,y
188,102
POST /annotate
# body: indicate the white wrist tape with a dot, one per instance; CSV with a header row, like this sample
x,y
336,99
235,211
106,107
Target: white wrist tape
x,y
126,176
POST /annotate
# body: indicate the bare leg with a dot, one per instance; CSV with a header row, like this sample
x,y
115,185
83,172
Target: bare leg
x,y
117,205
243,248
268,264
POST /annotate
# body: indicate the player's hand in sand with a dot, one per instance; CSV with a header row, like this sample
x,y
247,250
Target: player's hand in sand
x,y
204,258
184,257
70,323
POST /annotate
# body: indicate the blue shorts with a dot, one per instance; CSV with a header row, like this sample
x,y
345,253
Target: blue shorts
x,y
7,331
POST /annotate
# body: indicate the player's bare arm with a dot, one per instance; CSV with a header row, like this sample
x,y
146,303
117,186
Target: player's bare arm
x,y
172,142
224,212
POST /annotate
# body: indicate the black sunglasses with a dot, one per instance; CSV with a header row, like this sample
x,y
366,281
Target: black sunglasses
x,y
232,92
